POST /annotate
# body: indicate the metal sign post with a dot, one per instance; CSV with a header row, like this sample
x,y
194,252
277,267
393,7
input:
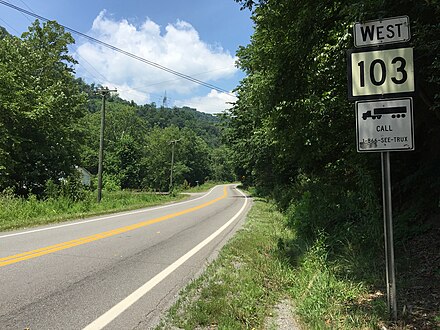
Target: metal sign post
x,y
381,80
388,231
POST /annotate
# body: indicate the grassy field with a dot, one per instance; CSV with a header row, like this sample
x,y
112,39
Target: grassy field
x,y
18,213
253,274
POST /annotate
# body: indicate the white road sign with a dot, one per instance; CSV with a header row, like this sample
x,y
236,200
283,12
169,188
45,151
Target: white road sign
x,y
382,32
380,72
384,125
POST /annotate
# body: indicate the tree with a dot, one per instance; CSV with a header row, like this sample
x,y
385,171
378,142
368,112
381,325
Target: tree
x,y
137,144
191,158
40,107
222,166
193,153
157,159
124,141
3,32
292,128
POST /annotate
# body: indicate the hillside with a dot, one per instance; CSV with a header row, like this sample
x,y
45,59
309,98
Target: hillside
x,y
50,124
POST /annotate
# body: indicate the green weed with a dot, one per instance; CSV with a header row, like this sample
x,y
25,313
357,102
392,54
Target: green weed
x,y
262,264
239,289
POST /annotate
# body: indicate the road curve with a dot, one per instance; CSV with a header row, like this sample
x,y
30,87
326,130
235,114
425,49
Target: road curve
x,y
120,271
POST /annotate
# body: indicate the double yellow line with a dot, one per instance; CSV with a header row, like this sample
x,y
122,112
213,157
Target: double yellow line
x,y
80,241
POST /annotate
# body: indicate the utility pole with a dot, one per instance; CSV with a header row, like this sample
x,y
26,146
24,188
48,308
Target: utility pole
x,y
173,143
103,92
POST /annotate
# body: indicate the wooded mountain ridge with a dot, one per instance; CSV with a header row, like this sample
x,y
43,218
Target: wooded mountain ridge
x,y
50,124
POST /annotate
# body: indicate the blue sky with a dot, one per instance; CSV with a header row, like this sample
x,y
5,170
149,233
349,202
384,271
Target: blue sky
x,y
195,37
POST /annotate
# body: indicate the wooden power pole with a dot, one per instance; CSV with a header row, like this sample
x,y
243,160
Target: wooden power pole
x,y
173,143
103,92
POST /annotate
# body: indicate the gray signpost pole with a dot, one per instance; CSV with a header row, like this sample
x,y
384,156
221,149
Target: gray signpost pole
x,y
383,123
388,231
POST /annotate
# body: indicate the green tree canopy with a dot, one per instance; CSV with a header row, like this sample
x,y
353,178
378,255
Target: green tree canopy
x,y
40,107
293,127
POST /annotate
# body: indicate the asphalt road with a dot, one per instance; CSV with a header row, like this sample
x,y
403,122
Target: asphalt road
x,y
120,271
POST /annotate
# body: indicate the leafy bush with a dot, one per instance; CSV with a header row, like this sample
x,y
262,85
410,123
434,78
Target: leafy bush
x,y
111,182
71,188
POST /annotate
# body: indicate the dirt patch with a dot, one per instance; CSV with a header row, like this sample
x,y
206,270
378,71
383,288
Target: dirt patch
x,y
282,317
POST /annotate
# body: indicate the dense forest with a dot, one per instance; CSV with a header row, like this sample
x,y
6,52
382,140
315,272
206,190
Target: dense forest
x,y
50,126
294,113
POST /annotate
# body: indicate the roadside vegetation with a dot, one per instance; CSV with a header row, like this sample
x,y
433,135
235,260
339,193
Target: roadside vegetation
x,y
203,187
257,270
50,126
75,202
292,131
50,131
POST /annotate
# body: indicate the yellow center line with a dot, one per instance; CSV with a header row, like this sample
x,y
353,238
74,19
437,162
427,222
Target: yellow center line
x,y
80,241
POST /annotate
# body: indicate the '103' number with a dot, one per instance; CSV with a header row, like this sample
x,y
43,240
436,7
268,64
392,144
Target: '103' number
x,y
378,71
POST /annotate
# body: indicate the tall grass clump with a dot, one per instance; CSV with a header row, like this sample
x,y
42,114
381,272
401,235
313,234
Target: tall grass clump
x,y
326,300
337,253
350,219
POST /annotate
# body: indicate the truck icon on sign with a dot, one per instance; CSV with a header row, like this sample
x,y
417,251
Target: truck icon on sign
x,y
395,112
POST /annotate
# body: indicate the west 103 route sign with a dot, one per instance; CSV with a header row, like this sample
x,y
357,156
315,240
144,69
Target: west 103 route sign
x,y
384,125
380,73
385,68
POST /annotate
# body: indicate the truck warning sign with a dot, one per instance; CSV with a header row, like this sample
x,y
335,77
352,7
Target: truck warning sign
x,y
384,125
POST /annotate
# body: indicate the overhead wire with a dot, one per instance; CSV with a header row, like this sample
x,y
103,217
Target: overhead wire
x,y
83,59
143,86
24,14
10,26
119,50
90,73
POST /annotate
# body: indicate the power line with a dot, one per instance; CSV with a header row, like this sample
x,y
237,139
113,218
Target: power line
x,y
99,80
10,26
119,50
24,3
29,9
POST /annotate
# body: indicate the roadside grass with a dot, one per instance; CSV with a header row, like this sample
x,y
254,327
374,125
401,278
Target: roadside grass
x,y
18,213
326,299
240,287
255,271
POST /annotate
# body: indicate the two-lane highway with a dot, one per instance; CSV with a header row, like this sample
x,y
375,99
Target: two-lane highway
x,y
119,271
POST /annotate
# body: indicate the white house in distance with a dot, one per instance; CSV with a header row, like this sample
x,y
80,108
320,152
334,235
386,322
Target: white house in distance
x,y
86,176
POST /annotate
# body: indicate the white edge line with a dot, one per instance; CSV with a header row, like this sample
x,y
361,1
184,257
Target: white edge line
x,y
123,305
107,217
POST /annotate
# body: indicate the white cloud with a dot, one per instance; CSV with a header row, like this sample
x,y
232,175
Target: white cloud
x,y
214,102
178,47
